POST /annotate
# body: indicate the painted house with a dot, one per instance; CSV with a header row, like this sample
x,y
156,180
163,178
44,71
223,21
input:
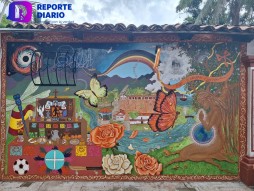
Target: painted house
x,y
105,114
142,118
137,103
120,116
213,65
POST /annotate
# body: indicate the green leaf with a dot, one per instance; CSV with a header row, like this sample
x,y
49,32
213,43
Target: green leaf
x,y
67,150
43,150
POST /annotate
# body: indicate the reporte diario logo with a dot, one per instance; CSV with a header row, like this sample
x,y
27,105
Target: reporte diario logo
x,y
20,11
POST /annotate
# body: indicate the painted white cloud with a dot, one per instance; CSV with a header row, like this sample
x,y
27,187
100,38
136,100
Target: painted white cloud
x,y
131,12
174,66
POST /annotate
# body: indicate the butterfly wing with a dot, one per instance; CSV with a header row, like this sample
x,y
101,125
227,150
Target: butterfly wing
x,y
160,96
165,121
168,105
152,122
89,95
95,86
101,92
161,122
86,94
93,101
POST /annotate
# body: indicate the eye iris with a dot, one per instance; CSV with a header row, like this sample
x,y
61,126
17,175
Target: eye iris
x,y
25,58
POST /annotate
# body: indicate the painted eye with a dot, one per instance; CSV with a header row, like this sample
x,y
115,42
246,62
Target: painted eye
x,y
23,57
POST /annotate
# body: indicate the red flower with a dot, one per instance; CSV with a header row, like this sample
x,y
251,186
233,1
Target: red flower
x,y
146,165
106,136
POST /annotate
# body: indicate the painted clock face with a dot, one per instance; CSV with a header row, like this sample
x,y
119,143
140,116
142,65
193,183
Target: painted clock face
x,y
201,135
54,159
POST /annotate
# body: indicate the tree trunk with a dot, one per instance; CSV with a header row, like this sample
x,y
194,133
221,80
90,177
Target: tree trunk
x,y
220,4
235,9
204,12
6,2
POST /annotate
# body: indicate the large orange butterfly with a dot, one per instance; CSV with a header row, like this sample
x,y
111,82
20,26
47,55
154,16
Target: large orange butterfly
x,y
165,105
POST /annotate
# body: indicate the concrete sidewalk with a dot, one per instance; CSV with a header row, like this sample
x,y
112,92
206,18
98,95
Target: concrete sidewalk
x,y
123,186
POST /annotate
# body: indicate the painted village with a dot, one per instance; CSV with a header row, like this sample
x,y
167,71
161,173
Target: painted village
x,y
130,109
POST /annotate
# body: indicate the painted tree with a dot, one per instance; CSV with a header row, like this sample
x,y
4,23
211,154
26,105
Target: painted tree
x,y
206,62
234,12
133,114
111,97
137,91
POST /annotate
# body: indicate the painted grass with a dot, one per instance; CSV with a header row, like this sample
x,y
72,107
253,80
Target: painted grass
x,y
190,167
182,168
140,127
180,120
85,115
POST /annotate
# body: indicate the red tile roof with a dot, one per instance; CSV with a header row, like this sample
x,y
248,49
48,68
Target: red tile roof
x,y
142,28
105,110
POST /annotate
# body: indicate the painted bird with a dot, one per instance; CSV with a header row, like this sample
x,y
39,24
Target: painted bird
x,y
130,147
66,89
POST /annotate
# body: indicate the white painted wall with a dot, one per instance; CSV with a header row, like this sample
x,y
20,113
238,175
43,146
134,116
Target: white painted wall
x,y
250,114
250,48
250,106
120,118
0,68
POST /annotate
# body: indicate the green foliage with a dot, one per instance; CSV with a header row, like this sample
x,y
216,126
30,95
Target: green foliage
x,y
247,16
112,95
191,7
140,127
86,116
36,20
43,150
48,170
5,21
137,91
180,120
67,150
133,114
206,65
213,12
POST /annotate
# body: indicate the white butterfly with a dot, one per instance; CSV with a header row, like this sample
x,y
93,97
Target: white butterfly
x,y
96,91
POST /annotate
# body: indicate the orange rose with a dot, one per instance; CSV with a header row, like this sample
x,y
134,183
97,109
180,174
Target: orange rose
x,y
106,136
146,165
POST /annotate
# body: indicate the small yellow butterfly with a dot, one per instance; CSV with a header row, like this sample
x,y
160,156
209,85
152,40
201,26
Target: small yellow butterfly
x,y
96,91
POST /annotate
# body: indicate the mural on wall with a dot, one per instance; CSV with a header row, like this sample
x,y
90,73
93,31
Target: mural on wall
x,y
122,109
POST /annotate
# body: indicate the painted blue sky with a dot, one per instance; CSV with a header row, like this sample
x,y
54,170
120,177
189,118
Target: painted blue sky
x,y
131,69
126,70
